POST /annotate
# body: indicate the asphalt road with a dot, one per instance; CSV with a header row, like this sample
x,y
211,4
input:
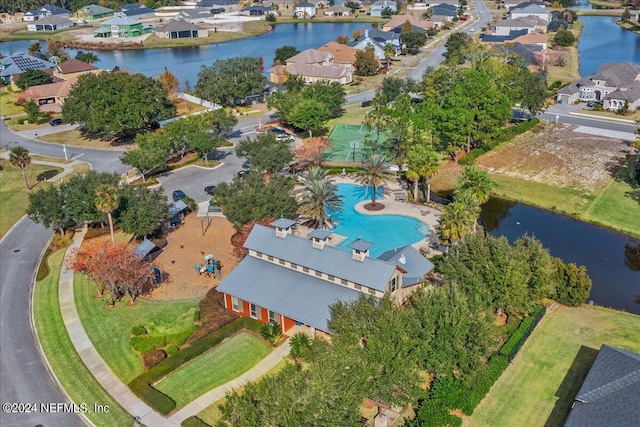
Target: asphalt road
x,y
581,121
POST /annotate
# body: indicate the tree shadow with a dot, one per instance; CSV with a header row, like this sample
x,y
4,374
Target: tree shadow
x,y
570,386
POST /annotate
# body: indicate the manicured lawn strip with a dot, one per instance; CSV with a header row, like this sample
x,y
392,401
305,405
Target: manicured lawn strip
x,y
564,200
109,329
219,365
211,414
14,197
7,106
74,376
617,205
538,388
74,138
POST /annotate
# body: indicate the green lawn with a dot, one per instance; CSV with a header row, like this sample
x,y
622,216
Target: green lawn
x,y
14,197
538,388
223,363
617,205
74,376
109,329
7,106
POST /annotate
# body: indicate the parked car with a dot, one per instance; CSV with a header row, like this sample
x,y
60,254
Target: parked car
x,y
178,195
282,135
55,122
210,190
243,172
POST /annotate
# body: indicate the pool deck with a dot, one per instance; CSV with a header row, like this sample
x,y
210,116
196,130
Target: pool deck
x,y
425,214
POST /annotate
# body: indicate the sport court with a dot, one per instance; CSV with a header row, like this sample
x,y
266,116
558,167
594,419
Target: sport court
x,y
348,143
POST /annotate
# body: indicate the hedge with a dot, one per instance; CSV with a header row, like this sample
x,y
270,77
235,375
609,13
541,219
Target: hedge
x,y
146,344
522,332
141,385
433,413
503,135
194,421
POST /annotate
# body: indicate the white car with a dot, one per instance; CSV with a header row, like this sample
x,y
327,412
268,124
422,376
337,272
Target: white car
x,y
472,30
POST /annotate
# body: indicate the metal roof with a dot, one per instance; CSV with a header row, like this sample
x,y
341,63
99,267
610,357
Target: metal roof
x,y
144,248
370,272
609,394
120,21
296,295
283,223
177,207
320,233
360,245
411,261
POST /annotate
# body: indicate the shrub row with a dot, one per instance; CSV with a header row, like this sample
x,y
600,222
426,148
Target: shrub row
x,y
141,385
194,422
144,344
433,413
503,135
522,332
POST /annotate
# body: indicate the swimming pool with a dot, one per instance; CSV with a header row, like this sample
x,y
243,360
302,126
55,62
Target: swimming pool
x,y
385,231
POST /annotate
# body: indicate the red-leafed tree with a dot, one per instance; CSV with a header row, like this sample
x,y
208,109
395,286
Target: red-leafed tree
x,y
312,150
238,238
114,269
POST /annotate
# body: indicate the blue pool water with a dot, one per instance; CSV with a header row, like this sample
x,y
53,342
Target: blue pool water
x,y
385,231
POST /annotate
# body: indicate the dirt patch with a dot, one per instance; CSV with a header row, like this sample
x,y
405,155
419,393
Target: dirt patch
x,y
187,247
374,207
557,155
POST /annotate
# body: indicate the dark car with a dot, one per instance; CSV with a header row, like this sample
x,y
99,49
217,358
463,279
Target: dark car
x,y
243,173
55,122
178,195
210,190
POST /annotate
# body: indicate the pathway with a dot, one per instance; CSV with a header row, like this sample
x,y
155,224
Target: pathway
x,y
118,390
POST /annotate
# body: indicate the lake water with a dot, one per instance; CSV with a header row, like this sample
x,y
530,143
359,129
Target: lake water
x,y
185,62
610,258
603,41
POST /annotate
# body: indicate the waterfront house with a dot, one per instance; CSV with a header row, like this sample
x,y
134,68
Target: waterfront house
x,y
378,7
73,68
258,10
377,40
121,27
338,10
227,5
609,394
292,281
50,23
93,12
180,30
20,62
44,11
506,26
195,16
343,55
613,84
311,65
529,10
305,10
417,24
137,11
555,25
510,4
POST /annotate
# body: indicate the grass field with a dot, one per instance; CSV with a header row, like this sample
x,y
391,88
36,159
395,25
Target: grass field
x,y
109,329
14,197
74,376
219,365
211,414
75,138
538,388
7,106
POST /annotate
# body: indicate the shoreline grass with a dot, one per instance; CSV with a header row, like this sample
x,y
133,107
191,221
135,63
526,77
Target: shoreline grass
x,y
539,386
69,369
109,329
221,364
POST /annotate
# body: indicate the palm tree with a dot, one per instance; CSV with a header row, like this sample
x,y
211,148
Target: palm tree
x,y
425,161
471,205
389,52
414,177
107,200
458,218
19,157
319,197
479,182
375,173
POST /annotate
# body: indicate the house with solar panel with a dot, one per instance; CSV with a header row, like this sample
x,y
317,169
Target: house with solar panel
x,y
20,62
293,281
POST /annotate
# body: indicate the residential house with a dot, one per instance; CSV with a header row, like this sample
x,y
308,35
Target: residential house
x,y
338,10
609,394
534,39
510,4
447,10
50,23
44,11
527,52
258,10
73,68
20,62
613,84
311,65
305,10
137,11
50,97
377,40
506,26
293,281
555,25
195,16
498,39
381,5
121,27
530,10
180,30
343,55
433,3
93,12
228,5
396,23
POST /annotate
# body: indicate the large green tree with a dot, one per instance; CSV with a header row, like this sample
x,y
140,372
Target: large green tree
x,y
32,78
412,41
318,198
265,153
142,211
366,63
283,53
231,81
332,95
47,207
117,104
145,159
79,194
88,57
310,115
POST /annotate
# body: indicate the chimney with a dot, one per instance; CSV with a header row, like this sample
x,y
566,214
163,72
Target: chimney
x,y
360,249
320,237
283,227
